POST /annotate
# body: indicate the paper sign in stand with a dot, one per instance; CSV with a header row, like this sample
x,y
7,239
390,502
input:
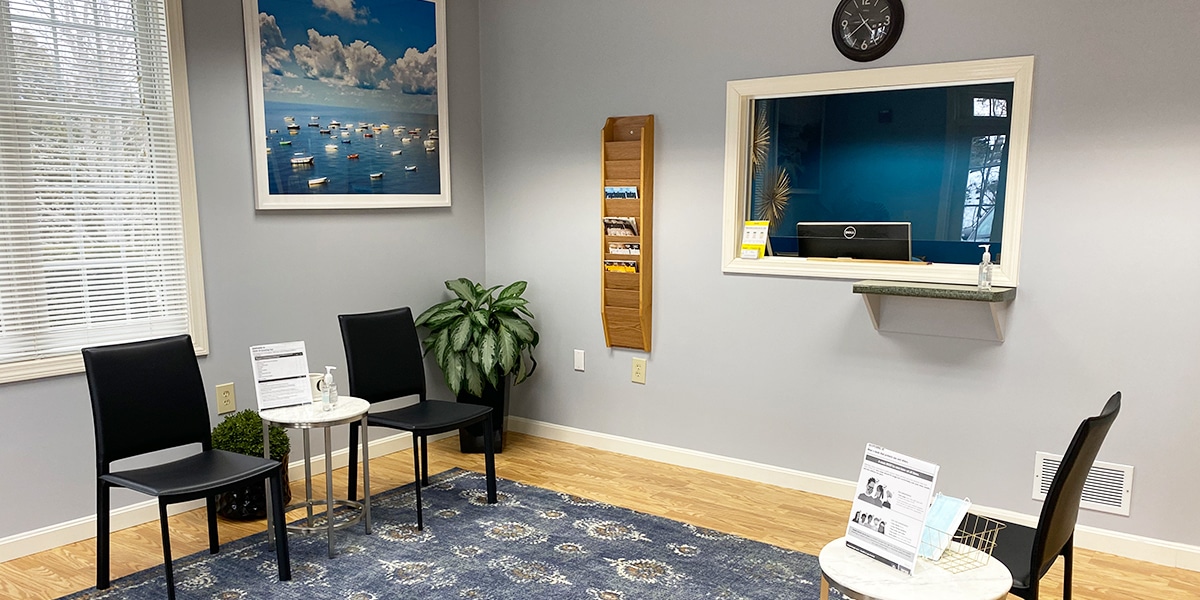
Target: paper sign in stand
x,y
888,515
280,375
754,239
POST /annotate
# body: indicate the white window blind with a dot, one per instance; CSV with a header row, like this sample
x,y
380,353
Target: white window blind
x,y
96,214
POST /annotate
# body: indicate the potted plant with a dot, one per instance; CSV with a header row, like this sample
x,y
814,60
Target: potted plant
x,y
241,432
483,344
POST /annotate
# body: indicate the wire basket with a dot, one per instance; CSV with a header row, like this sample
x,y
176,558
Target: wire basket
x,y
968,548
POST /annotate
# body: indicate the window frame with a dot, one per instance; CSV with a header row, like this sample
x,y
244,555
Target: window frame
x,y
194,273
739,114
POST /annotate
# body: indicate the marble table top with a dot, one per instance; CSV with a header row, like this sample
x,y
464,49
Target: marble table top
x,y
863,577
310,414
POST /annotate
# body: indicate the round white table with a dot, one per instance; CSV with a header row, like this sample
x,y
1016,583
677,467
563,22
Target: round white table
x,y
309,416
863,578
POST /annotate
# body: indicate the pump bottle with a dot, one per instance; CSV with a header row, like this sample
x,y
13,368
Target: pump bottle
x,y
329,394
985,269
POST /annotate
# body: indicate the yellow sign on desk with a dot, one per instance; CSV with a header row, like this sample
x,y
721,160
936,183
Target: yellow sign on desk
x,y
754,239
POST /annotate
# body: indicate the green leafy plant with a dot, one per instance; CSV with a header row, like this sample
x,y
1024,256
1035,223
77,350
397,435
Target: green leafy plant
x,y
241,432
479,336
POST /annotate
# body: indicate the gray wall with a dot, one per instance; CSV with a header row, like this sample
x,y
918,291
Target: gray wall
x,y
260,268
789,372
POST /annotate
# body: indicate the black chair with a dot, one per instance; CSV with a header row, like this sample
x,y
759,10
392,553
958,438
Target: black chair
x,y
383,357
149,396
1029,553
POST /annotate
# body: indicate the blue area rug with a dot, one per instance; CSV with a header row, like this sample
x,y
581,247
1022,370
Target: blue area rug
x,y
533,544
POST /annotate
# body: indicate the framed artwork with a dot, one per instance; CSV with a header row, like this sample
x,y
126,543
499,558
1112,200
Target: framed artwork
x,y
348,104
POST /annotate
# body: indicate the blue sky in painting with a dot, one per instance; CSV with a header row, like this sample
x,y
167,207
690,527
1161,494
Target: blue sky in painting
x,y
354,53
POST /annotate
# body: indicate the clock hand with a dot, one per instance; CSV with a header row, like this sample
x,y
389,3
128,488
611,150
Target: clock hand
x,y
868,24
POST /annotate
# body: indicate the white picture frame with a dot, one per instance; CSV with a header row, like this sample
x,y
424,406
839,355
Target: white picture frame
x,y
356,61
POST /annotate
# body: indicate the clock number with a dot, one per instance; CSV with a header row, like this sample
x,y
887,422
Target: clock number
x,y
886,20
864,45
845,24
865,2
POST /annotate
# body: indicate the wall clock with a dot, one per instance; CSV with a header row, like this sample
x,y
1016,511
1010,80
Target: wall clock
x,y
864,30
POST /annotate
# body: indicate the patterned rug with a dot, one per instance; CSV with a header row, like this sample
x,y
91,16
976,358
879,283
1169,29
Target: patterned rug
x,y
533,544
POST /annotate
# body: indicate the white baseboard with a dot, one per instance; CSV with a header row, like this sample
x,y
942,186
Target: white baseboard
x,y
83,528
1171,554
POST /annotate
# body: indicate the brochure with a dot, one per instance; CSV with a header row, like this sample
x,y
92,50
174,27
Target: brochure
x,y
621,266
888,515
754,239
620,248
625,226
280,375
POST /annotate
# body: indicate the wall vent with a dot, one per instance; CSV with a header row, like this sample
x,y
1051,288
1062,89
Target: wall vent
x,y
1108,487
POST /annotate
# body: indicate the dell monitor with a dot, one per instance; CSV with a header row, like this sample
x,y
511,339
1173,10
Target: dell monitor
x,y
871,241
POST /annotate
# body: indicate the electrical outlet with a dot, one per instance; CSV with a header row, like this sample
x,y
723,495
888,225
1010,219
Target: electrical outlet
x,y
578,359
226,399
639,371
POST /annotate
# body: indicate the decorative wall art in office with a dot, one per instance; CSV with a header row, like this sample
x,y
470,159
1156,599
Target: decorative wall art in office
x,y
347,103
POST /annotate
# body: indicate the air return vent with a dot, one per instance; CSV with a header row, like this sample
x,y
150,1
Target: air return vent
x,y
1108,487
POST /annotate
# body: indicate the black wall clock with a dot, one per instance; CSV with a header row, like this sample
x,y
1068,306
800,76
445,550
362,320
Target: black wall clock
x,y
865,30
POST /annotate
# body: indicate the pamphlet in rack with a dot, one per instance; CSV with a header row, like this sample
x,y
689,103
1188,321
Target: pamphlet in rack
x,y
620,248
620,191
620,266
888,515
625,226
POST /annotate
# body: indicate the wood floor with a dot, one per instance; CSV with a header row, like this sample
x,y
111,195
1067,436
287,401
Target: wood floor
x,y
770,514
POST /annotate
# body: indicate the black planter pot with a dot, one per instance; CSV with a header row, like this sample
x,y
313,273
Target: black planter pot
x,y
250,502
470,439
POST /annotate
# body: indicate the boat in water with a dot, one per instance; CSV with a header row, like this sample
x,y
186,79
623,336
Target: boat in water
x,y
301,158
397,152
318,181
430,145
377,175
331,147
410,167
352,156
285,142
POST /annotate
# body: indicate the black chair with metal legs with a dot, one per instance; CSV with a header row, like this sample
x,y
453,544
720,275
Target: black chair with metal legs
x,y
383,357
1029,553
149,396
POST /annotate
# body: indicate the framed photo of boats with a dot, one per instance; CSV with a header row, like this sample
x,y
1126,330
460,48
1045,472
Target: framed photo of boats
x,y
348,104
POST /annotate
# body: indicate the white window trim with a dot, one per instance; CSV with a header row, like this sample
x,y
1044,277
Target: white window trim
x,y
197,313
740,96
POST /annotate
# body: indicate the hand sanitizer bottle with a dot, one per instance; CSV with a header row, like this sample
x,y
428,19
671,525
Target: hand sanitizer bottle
x,y
329,394
985,269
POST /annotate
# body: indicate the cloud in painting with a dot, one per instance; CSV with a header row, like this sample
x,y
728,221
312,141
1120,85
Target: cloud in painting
x,y
342,8
271,41
326,59
416,71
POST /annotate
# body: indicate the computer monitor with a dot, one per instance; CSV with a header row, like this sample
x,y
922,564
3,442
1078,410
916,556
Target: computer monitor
x,y
874,241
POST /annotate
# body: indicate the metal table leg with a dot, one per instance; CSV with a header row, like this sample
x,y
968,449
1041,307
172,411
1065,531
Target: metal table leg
x,y
308,497
366,469
328,492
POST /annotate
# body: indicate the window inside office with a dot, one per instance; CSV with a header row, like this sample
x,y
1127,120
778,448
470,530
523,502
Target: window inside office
x,y
98,231
936,151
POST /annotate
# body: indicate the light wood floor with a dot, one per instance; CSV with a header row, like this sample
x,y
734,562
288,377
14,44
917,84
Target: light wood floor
x,y
767,513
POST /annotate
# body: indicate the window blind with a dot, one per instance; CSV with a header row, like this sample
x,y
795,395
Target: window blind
x,y
92,231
